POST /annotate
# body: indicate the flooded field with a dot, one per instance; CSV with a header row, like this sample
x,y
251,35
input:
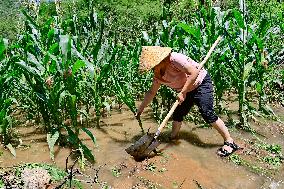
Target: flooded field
x,y
190,162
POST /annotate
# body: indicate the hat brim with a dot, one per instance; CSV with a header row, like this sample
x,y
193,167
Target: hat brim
x,y
152,56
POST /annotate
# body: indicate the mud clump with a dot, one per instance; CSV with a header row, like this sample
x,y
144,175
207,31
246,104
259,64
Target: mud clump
x,y
36,178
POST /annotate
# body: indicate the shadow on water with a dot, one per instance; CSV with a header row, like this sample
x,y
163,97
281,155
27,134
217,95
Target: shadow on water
x,y
164,137
187,136
115,139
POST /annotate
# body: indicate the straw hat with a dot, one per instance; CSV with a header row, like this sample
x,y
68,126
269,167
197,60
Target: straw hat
x,y
152,56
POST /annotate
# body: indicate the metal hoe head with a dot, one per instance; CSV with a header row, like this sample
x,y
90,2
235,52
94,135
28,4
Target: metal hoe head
x,y
143,147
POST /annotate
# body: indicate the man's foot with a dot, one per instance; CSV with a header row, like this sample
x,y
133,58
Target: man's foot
x,y
227,149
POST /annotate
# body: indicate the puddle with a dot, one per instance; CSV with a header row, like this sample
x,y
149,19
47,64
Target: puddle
x,y
189,163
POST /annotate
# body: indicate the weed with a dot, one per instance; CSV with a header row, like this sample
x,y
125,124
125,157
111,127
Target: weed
x,y
273,148
239,161
148,183
274,161
162,170
151,167
116,172
175,184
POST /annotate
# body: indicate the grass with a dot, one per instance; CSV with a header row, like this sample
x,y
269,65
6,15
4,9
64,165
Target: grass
x,y
10,20
260,157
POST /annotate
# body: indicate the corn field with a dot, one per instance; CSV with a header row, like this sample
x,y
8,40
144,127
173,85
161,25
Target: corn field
x,y
62,68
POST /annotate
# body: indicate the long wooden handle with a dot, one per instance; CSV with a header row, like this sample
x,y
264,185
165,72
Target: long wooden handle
x,y
166,119
209,53
163,124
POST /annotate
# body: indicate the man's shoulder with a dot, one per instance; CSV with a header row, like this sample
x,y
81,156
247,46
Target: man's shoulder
x,y
177,54
179,59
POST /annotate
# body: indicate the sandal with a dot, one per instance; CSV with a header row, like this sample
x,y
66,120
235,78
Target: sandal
x,y
224,153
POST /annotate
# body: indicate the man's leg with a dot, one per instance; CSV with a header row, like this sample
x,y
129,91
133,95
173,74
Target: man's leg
x,y
204,100
175,129
220,126
179,113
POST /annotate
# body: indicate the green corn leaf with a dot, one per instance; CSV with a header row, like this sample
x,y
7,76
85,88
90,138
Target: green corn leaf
x,y
247,69
32,59
51,140
87,63
2,48
56,62
42,97
258,41
72,137
11,149
65,44
88,153
99,43
104,71
53,48
78,64
88,132
106,67
50,34
268,110
234,74
74,99
258,88
239,18
52,68
29,18
63,95
263,27
29,69
124,97
190,30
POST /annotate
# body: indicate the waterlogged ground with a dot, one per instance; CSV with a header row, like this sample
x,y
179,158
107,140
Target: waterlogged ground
x,y
191,162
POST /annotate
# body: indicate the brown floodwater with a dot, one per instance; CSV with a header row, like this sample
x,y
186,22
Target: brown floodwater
x,y
190,162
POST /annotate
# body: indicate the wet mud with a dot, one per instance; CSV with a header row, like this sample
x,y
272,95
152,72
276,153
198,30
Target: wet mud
x,y
189,162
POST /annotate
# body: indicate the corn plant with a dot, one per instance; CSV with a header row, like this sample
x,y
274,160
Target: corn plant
x,y
247,60
55,74
124,93
125,81
66,66
8,78
242,58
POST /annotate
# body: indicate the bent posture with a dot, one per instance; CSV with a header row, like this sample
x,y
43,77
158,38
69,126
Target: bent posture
x,y
180,73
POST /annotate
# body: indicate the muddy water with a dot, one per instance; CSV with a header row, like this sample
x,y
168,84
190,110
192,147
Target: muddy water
x,y
190,162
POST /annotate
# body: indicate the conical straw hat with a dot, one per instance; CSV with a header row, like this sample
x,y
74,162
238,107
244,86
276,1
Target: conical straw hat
x,y
152,56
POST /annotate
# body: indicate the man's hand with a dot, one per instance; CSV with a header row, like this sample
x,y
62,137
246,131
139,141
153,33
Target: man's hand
x,y
181,97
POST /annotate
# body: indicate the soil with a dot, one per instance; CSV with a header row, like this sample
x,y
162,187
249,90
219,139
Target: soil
x,y
190,162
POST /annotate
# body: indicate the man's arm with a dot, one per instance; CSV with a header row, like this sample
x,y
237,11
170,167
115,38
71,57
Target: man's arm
x,y
192,73
148,97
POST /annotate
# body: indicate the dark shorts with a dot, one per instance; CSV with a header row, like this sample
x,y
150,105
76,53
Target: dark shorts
x,y
202,96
